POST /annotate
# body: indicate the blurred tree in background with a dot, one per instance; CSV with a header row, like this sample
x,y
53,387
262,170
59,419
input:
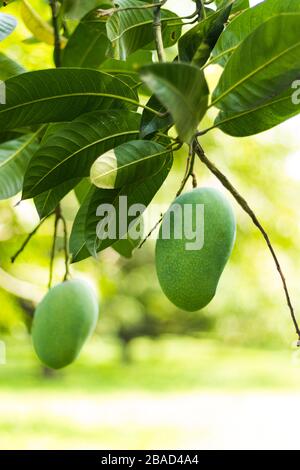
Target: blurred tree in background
x,y
250,308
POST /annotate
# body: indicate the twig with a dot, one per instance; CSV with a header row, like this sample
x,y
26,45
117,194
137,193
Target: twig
x,y
66,249
111,11
244,205
57,42
58,212
151,231
189,171
158,33
28,238
200,10
52,256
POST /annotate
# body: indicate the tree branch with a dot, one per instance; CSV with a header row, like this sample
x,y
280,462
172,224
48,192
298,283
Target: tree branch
x,y
52,256
244,205
58,212
57,42
66,248
158,33
28,238
189,171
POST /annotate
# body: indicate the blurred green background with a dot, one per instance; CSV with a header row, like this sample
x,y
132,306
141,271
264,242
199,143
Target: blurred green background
x,y
154,376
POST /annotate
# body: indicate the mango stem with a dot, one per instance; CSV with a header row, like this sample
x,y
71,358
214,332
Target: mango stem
x,y
245,206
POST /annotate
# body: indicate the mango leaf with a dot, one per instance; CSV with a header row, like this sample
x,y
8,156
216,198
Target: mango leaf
x,y
260,118
128,163
183,91
127,246
8,67
70,152
88,45
14,157
82,189
196,45
77,242
11,135
246,23
46,202
132,29
251,81
238,5
7,25
128,67
84,240
151,123
77,9
40,29
60,95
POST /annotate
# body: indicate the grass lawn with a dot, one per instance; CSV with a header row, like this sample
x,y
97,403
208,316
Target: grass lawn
x,y
177,393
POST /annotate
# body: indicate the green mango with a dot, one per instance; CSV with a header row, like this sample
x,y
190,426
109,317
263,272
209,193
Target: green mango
x,y
63,321
189,264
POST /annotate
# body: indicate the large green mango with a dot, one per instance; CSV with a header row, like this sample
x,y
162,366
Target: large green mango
x,y
63,321
189,268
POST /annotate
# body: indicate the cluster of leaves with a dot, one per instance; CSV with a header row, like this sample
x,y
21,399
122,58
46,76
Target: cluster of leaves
x,y
56,123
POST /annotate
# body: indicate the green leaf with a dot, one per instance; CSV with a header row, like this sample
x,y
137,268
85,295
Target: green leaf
x,y
151,123
70,152
132,29
9,68
196,45
82,189
246,23
84,240
251,82
76,9
261,118
7,25
128,163
14,158
128,67
182,89
46,202
88,45
127,246
40,29
238,5
60,95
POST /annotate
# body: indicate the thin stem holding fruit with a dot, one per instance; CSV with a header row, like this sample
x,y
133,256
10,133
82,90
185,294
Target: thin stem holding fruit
x,y
28,238
66,248
245,206
52,256
151,231
189,172
58,212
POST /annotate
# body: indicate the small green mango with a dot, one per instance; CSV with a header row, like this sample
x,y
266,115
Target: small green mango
x,y
189,273
63,321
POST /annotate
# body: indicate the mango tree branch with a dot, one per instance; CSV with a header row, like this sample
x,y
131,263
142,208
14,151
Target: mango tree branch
x,y
244,205
58,212
57,42
66,249
158,32
52,256
200,9
28,238
189,171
